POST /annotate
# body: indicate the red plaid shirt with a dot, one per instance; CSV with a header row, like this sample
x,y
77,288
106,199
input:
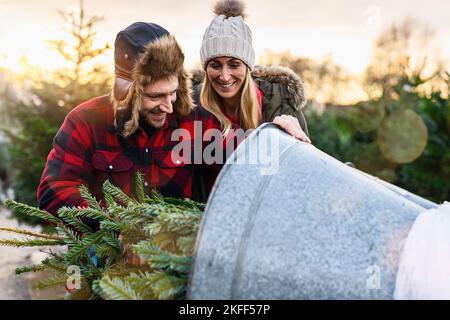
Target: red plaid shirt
x,y
88,149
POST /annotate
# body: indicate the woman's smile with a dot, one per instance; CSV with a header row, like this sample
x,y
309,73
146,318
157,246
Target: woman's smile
x,y
227,85
227,75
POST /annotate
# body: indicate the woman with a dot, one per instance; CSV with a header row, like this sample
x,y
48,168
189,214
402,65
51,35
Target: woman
x,y
233,94
233,90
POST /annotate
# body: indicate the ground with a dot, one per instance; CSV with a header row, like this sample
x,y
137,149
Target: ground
x,y
19,287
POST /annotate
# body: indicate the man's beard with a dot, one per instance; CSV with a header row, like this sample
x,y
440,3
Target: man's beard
x,y
154,118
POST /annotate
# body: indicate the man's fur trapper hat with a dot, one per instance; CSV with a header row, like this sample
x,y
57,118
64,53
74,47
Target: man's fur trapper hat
x,y
158,59
161,59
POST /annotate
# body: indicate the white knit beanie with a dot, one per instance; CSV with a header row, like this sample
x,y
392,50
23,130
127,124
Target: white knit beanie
x,y
228,35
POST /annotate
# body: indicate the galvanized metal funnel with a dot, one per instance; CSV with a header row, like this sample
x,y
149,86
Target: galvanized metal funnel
x,y
295,223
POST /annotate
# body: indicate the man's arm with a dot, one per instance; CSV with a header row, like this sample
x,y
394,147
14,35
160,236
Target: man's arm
x,y
68,166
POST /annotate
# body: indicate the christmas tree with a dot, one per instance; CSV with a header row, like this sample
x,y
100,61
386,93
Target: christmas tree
x,y
162,230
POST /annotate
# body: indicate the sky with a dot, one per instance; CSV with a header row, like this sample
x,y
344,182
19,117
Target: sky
x,y
344,29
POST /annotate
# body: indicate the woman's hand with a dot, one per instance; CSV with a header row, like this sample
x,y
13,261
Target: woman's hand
x,y
291,125
130,257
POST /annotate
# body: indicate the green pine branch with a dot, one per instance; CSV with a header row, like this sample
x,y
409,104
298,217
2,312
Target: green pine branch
x,y
111,226
80,250
26,210
69,217
32,268
109,201
31,233
139,187
159,259
55,264
70,237
82,212
84,293
116,193
164,285
30,243
51,281
117,289
186,244
90,199
108,252
176,222
163,231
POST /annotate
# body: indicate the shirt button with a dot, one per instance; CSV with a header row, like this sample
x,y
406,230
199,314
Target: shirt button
x,y
146,183
110,167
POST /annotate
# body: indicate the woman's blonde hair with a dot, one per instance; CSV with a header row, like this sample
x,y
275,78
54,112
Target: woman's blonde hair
x,y
249,113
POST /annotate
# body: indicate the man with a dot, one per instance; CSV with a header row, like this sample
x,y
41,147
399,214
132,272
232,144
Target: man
x,y
113,136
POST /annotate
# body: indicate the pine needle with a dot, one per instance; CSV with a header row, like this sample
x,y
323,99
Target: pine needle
x,y
30,243
139,187
164,229
31,233
116,193
162,260
84,293
33,268
117,289
26,210
52,281
90,199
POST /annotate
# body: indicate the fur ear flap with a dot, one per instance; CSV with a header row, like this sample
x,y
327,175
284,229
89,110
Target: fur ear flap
x,y
184,103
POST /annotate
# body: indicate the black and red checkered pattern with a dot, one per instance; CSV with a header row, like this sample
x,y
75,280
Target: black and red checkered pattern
x,y
88,149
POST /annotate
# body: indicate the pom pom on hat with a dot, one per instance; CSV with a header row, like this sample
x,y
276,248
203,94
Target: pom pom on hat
x,y
228,35
230,8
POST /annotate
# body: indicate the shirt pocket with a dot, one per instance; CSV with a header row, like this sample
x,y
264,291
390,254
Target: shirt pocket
x,y
115,167
172,175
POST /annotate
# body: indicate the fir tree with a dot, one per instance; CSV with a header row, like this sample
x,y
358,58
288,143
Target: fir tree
x,y
33,121
160,229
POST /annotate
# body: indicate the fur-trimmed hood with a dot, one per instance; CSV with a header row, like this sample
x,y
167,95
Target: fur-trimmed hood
x,y
266,77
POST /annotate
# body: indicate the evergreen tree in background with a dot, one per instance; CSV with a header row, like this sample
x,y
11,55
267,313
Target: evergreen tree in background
x,y
4,165
33,121
401,133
